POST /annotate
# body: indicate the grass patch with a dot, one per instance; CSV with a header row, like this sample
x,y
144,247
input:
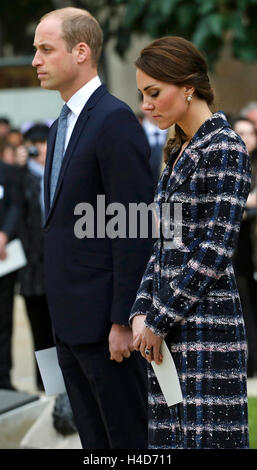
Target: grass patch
x,y
252,417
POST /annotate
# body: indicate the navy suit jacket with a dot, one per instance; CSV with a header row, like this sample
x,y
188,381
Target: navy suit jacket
x,y
92,282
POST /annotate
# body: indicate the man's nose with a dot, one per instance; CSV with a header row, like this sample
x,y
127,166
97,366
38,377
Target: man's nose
x,y
37,59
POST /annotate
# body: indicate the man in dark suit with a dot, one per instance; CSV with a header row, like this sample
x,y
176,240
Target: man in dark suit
x,y
91,281
10,208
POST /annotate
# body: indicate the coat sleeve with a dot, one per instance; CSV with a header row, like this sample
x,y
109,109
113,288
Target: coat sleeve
x,y
123,154
228,187
144,298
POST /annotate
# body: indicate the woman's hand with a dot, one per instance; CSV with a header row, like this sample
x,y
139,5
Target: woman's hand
x,y
145,339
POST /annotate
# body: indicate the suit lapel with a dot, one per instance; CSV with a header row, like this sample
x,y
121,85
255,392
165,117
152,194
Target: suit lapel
x,y
80,124
48,165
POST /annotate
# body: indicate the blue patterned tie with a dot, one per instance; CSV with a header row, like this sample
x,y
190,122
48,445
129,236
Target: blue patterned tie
x,y
58,149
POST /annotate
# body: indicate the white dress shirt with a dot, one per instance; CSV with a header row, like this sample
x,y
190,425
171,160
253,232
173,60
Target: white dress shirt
x,y
77,102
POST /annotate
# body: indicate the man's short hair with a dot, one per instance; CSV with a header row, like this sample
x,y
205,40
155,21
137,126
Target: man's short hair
x,y
37,133
4,120
79,25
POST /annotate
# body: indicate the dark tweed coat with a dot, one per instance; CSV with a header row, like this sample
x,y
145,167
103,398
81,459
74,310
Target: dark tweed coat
x,y
195,281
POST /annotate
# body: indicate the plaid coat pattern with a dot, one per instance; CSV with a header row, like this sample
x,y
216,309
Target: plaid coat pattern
x,y
189,294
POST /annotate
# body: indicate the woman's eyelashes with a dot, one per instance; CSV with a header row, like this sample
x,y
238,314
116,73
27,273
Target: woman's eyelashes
x,y
155,94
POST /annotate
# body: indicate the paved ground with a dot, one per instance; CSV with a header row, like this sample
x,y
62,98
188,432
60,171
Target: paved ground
x,y
23,373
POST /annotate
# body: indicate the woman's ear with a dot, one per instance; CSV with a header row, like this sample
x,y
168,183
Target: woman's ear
x,y
189,90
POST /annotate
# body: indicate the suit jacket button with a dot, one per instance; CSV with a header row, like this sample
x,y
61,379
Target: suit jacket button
x,y
47,228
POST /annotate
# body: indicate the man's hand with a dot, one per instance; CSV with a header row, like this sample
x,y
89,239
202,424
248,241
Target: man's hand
x,y
3,242
120,342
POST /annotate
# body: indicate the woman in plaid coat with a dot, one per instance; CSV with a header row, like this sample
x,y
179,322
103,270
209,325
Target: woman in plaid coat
x,y
188,294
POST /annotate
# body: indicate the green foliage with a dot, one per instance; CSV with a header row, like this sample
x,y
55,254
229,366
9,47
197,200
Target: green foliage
x,y
15,18
208,23
252,417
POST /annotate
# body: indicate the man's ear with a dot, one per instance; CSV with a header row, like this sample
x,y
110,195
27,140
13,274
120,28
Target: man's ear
x,y
82,52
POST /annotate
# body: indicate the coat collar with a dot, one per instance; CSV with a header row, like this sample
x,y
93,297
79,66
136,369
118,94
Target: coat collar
x,y
81,122
208,130
192,153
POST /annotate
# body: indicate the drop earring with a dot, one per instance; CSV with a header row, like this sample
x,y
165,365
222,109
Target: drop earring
x,y
189,98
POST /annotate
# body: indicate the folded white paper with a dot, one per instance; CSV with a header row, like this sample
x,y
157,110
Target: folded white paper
x,y
50,371
166,374
15,259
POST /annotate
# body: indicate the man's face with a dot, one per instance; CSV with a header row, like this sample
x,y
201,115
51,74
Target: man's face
x,y
4,129
57,68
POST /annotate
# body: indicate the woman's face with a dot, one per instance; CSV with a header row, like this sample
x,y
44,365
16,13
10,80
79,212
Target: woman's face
x,y
247,133
166,102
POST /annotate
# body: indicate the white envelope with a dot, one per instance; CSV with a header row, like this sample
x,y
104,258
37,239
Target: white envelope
x,y
167,376
15,259
50,371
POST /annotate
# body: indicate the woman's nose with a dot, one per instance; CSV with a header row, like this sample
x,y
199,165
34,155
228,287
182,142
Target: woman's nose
x,y
147,106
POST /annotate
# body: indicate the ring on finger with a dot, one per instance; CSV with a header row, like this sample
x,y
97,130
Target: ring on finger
x,y
147,351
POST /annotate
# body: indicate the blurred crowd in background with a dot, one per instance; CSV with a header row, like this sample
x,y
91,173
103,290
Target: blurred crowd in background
x,y
24,151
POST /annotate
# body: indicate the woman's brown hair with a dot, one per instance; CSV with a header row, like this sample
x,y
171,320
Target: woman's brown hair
x,y
176,60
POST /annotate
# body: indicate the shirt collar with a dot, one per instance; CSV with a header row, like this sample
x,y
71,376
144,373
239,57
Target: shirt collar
x,y
77,102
